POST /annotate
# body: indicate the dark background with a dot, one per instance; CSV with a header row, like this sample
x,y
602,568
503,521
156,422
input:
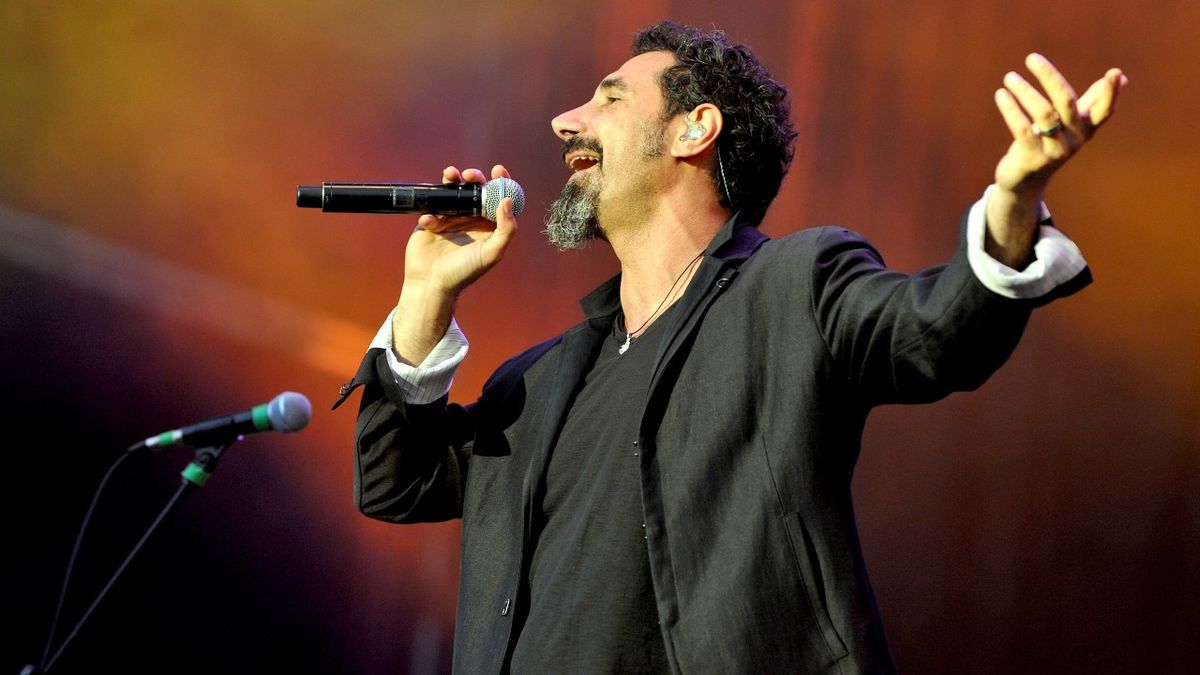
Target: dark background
x,y
155,272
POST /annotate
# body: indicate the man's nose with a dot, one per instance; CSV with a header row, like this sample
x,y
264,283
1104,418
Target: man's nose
x,y
568,124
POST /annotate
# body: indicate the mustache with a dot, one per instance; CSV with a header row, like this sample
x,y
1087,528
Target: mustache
x,y
581,143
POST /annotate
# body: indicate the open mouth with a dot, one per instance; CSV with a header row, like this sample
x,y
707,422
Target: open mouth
x,y
582,160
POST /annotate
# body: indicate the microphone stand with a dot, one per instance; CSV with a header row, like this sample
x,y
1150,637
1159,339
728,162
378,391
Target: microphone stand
x,y
195,475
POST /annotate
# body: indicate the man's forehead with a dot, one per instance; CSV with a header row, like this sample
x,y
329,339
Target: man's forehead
x,y
639,71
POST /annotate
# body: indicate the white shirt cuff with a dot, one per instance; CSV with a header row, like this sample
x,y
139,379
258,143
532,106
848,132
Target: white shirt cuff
x,y
431,380
1058,259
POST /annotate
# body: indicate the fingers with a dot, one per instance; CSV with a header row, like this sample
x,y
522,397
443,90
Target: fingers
x,y
452,175
1014,117
430,222
1062,95
1036,108
1080,115
474,176
1099,102
451,224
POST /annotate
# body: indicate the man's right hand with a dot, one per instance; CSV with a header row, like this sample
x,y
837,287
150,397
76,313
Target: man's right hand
x,y
445,255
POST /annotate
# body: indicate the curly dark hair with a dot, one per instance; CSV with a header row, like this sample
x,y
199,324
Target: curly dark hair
x,y
756,142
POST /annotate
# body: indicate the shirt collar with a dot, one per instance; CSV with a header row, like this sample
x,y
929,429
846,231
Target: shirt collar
x,y
734,242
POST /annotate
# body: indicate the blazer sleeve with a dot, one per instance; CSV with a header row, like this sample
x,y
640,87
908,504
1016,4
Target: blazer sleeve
x,y
411,460
901,338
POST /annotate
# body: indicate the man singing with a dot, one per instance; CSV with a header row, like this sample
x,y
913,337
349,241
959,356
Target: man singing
x,y
666,486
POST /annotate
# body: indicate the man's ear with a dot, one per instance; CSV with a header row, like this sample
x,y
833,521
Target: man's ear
x,y
702,126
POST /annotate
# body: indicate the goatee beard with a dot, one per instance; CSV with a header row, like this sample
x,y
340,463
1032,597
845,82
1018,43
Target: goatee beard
x,y
572,220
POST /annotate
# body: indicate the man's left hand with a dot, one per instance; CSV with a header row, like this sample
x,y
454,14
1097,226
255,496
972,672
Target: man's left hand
x,y
1048,129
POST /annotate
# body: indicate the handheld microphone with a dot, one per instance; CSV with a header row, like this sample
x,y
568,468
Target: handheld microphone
x,y
287,412
449,199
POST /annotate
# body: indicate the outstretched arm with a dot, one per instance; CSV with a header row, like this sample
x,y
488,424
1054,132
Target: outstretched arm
x,y
1048,129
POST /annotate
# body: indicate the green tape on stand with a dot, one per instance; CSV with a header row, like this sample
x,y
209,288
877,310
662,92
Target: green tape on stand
x,y
196,475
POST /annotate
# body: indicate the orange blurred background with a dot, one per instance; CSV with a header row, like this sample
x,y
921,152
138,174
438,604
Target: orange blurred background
x,y
154,271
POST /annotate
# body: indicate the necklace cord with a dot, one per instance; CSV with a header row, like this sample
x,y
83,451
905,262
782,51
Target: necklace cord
x,y
630,334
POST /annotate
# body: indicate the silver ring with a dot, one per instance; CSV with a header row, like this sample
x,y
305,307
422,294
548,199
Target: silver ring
x,y
1051,132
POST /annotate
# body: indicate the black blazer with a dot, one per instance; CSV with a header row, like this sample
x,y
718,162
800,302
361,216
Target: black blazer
x,y
748,440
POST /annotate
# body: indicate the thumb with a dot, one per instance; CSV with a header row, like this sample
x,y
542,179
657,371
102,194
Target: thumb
x,y
506,228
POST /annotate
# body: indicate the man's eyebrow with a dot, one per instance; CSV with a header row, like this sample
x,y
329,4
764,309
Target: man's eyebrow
x,y
614,83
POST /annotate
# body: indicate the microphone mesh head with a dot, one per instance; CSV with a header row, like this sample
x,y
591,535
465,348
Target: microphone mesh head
x,y
497,189
289,412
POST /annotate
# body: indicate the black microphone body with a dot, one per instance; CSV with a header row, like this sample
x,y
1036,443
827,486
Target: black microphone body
x,y
287,412
463,199
449,199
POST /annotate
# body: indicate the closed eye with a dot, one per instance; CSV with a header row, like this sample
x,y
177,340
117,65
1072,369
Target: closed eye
x,y
610,86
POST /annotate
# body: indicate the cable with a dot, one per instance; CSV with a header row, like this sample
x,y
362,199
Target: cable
x,y
62,595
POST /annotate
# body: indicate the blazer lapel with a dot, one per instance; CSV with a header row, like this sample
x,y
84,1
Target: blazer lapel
x,y
717,270
731,247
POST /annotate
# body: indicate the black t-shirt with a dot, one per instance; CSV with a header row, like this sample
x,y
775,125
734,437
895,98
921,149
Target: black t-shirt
x,y
591,606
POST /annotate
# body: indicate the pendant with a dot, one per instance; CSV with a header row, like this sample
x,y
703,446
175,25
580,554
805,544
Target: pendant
x,y
624,347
